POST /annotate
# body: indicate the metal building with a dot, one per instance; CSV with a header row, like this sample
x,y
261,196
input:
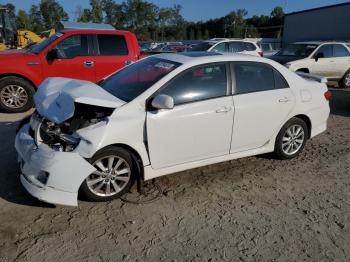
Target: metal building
x,y
323,23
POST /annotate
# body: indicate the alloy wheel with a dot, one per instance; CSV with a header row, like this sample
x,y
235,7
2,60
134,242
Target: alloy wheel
x,y
293,139
14,96
112,175
347,80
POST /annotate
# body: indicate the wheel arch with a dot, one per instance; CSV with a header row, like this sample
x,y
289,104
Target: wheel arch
x,y
2,76
307,121
346,72
134,154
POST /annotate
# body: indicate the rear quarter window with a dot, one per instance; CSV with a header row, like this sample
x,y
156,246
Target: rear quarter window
x,y
253,77
249,47
112,45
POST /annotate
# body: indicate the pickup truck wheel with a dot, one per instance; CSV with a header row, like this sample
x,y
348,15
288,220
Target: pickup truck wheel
x,y
346,80
16,95
114,175
291,139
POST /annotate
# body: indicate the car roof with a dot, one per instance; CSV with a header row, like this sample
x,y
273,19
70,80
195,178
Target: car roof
x,y
309,43
199,57
228,40
319,42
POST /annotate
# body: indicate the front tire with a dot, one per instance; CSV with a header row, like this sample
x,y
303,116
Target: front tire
x,y
291,139
115,174
345,82
16,95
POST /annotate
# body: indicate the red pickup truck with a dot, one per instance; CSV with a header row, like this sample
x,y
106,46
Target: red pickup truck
x,y
82,54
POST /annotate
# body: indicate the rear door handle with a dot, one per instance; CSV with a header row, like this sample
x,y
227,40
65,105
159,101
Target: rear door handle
x,y
284,100
223,110
88,63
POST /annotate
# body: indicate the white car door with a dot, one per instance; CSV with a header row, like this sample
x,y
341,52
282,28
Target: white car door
x,y
200,124
263,102
341,60
323,66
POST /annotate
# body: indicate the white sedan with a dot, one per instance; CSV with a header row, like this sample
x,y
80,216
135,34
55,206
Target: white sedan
x,y
164,114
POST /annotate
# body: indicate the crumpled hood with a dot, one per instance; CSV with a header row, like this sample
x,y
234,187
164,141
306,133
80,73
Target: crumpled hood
x,y
55,97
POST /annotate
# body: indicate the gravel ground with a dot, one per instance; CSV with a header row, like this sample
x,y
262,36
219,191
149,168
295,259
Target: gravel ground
x,y
250,209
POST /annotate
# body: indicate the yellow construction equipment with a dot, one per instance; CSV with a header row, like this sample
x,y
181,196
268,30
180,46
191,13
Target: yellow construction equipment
x,y
11,38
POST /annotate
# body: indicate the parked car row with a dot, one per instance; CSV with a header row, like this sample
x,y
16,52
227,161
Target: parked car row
x,y
215,45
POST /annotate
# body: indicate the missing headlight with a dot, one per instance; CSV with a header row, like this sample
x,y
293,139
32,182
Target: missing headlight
x,y
43,177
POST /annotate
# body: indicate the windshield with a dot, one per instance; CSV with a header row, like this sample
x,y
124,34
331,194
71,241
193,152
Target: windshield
x,y
37,48
204,46
300,50
133,80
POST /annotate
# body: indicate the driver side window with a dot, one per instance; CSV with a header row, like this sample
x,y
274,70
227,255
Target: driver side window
x,y
326,50
72,46
222,47
200,83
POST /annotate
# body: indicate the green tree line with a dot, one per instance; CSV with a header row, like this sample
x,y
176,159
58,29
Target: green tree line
x,y
150,22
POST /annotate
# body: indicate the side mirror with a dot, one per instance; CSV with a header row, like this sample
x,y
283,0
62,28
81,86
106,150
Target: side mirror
x,y
163,102
52,55
318,56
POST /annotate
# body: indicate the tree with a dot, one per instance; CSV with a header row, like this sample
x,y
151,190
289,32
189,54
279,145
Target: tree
x,y
278,12
199,35
22,20
113,13
164,20
141,17
52,13
35,19
192,35
206,34
85,16
235,23
96,11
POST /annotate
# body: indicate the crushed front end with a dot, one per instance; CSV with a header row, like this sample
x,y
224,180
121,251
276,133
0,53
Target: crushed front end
x,y
52,168
51,175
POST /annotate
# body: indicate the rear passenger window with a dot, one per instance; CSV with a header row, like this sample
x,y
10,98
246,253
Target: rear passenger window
x,y
222,47
249,47
200,83
236,47
326,50
112,45
253,77
340,51
72,46
280,81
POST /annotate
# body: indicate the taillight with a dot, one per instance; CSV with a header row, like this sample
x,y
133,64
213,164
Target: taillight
x,y
261,54
328,95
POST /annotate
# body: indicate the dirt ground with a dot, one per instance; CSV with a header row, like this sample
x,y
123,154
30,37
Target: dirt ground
x,y
250,209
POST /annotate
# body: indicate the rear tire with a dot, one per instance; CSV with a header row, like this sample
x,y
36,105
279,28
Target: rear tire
x,y
345,82
291,139
16,95
113,178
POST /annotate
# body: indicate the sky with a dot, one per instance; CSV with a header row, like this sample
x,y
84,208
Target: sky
x,y
201,10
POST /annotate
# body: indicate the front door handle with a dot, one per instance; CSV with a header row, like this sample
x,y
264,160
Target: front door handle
x,y
223,109
284,100
88,63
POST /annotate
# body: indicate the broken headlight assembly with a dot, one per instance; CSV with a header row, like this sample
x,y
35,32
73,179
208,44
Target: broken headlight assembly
x,y
63,137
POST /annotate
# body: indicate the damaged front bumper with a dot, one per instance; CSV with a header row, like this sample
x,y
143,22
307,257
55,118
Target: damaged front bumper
x,y
49,175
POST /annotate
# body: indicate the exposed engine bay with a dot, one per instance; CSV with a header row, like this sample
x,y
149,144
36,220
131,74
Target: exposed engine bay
x,y
63,137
